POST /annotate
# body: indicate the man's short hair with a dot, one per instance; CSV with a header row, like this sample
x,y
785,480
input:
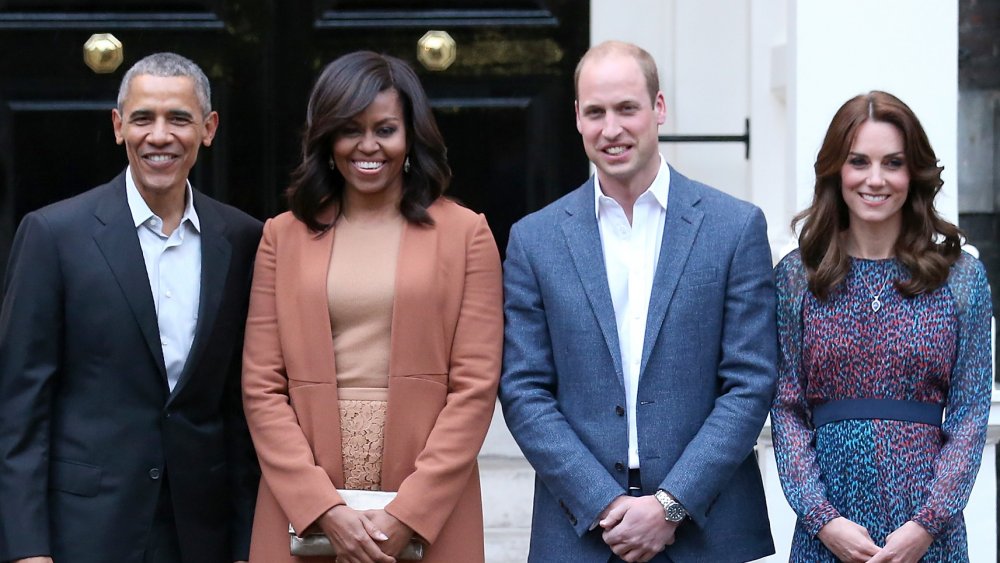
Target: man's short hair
x,y
169,64
646,64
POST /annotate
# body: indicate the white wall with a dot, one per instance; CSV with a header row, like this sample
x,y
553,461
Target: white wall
x,y
702,56
840,49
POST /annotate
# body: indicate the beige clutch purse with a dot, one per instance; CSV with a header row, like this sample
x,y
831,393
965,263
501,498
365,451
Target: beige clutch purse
x,y
315,543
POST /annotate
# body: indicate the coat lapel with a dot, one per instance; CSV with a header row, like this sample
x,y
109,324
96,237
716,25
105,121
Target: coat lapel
x,y
584,241
117,239
413,304
215,255
314,253
679,230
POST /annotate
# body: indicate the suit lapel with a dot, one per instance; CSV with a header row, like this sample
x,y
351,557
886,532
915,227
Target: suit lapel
x,y
117,239
584,241
215,255
679,230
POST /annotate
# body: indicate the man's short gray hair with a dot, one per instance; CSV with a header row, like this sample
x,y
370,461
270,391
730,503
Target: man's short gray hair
x,y
169,64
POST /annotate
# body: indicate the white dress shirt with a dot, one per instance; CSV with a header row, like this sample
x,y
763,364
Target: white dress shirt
x,y
631,253
173,266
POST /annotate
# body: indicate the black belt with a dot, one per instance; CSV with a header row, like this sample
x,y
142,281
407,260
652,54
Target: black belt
x,y
884,409
634,483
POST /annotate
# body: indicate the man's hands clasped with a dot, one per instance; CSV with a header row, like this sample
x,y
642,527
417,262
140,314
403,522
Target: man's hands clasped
x,y
635,528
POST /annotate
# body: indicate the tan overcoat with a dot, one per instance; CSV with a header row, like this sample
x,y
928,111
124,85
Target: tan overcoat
x,y
447,334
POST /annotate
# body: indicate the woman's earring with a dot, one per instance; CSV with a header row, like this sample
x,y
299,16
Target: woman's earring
x,y
332,164
406,165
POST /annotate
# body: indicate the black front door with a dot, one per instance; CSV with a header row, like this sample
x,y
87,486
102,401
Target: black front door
x,y
504,105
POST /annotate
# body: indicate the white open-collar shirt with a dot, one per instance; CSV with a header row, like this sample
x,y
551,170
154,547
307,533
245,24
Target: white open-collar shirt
x,y
631,252
173,266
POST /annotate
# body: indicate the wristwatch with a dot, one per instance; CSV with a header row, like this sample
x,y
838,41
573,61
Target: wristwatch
x,y
673,511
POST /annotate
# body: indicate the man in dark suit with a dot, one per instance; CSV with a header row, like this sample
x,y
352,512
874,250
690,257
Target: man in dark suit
x,y
122,437
640,346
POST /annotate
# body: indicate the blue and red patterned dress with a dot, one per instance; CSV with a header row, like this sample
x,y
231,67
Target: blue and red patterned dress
x,y
927,351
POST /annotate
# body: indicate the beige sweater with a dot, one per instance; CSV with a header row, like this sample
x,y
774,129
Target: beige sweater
x,y
360,287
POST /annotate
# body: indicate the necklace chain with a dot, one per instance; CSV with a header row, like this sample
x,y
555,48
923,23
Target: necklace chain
x,y
876,303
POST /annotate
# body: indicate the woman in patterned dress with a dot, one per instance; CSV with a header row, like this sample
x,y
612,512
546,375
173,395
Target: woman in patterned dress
x,y
884,374
374,333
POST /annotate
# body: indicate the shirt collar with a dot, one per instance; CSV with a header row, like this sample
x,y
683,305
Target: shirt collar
x,y
658,190
141,211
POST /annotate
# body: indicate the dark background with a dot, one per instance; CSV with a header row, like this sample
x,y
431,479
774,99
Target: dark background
x,y
505,106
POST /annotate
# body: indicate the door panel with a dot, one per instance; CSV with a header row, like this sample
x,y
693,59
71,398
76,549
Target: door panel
x,y
504,106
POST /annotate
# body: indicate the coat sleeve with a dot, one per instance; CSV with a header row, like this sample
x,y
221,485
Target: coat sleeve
x,y
31,335
968,402
528,394
746,377
442,470
302,488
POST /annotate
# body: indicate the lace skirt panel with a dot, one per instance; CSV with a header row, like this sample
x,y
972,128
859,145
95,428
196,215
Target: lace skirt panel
x,y
362,424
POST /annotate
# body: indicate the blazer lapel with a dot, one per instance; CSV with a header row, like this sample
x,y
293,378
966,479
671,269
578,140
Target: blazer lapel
x,y
117,239
215,255
313,259
417,270
679,229
584,241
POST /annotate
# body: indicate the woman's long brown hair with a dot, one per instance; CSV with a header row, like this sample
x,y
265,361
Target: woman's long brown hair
x,y
927,245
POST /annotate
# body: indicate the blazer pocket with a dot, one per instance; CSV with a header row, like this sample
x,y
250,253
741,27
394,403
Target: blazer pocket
x,y
695,278
74,477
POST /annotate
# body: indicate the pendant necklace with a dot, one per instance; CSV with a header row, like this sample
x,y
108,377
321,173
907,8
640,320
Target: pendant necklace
x,y
876,297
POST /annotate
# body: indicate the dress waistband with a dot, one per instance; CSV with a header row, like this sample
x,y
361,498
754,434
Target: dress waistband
x,y
884,409
363,393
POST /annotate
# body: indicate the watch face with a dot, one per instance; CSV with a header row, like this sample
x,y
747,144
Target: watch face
x,y
674,512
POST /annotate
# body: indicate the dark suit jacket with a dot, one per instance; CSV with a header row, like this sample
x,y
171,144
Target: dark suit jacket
x,y
88,426
706,378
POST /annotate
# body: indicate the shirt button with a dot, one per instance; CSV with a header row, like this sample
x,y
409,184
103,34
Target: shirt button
x,y
619,410
154,473
168,295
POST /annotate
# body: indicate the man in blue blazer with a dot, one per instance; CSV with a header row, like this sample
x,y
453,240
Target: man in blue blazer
x,y
122,437
639,355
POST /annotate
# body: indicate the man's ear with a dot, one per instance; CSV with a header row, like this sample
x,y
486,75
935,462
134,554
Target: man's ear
x,y
211,126
116,122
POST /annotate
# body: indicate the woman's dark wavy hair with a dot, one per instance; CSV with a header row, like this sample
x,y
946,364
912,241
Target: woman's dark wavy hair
x,y
927,245
345,88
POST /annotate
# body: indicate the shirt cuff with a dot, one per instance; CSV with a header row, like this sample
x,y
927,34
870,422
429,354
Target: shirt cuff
x,y
929,520
819,517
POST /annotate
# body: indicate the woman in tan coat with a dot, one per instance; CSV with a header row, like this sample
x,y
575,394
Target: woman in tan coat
x,y
374,334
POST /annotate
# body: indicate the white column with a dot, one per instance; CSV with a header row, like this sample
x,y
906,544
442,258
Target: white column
x,y
771,168
980,514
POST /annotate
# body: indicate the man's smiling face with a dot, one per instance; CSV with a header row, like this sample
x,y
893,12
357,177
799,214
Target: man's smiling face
x,y
162,126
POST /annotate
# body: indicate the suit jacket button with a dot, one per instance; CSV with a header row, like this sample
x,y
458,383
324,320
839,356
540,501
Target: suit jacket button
x,y
154,473
619,410
572,519
619,467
